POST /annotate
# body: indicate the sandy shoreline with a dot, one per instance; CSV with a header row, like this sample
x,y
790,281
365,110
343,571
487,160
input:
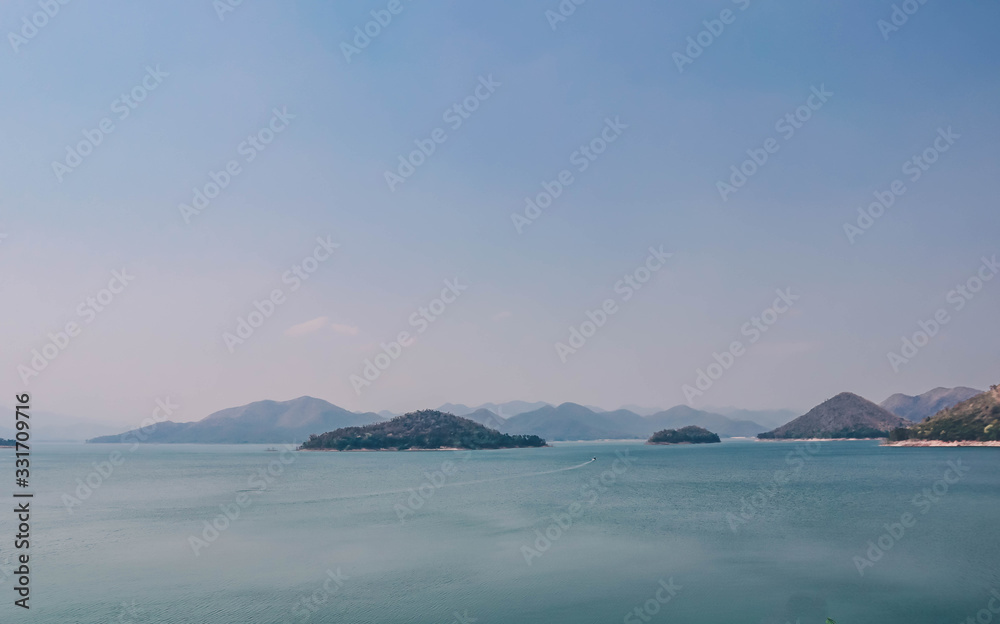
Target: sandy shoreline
x,y
940,443
814,439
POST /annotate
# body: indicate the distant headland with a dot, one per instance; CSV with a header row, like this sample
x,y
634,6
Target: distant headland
x,y
975,422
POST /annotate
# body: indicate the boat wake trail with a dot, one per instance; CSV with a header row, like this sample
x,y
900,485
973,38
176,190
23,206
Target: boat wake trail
x,y
445,485
520,476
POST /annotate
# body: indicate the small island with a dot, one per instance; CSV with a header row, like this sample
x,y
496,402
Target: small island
x,y
7,443
685,435
424,430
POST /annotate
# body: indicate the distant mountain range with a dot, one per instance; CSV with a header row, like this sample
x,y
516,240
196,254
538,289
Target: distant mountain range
x,y
262,422
917,408
503,410
725,426
637,409
272,422
846,415
486,418
768,418
571,421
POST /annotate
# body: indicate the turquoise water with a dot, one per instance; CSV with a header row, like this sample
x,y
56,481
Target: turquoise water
x,y
124,553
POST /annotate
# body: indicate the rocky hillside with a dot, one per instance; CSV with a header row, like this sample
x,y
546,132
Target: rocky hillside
x,y
975,419
844,416
917,408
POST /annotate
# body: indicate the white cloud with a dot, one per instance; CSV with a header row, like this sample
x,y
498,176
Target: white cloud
x,y
319,323
347,330
307,328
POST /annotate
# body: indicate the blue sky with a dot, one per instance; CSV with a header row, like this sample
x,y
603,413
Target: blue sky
x,y
655,185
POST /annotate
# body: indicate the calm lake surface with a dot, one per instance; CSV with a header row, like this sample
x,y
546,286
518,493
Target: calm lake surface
x,y
124,554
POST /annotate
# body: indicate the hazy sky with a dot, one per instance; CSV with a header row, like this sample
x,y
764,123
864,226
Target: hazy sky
x,y
539,94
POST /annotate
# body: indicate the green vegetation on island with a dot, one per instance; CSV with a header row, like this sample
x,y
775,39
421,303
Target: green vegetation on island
x,y
977,419
423,430
685,435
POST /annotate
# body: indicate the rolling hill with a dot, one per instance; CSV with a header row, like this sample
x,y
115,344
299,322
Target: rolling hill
x,y
640,410
976,419
503,410
844,416
917,408
262,422
486,418
571,421
682,416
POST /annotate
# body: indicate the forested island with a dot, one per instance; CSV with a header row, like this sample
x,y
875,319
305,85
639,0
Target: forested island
x,y
423,430
685,435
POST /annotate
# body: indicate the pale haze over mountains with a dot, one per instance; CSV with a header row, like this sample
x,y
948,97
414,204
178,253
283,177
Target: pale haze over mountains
x,y
261,422
505,410
570,421
49,427
655,186
292,421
